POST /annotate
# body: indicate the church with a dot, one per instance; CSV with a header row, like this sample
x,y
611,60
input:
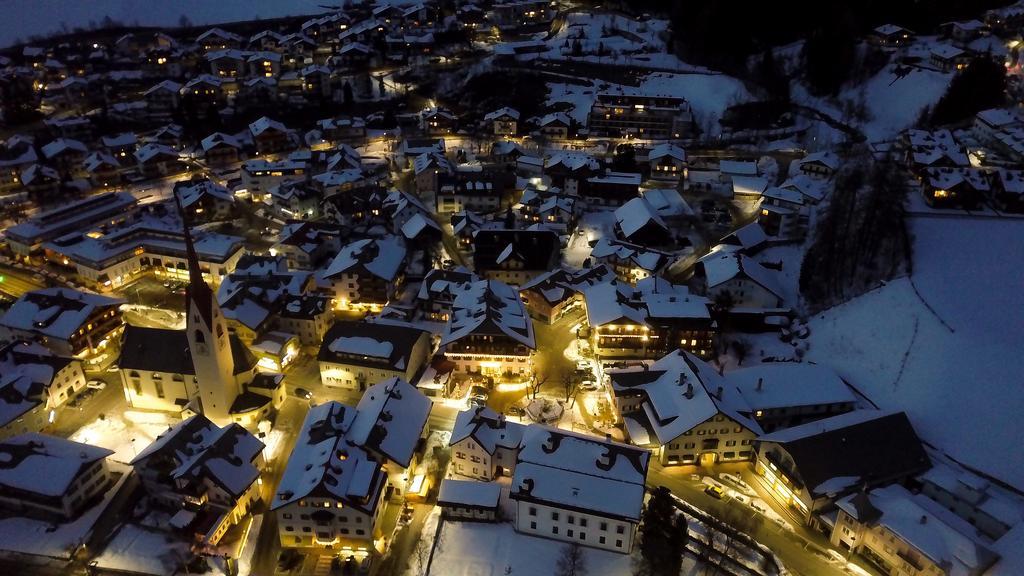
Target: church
x,y
203,369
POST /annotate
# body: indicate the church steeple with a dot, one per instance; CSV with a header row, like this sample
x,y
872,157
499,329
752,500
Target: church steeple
x,y
198,291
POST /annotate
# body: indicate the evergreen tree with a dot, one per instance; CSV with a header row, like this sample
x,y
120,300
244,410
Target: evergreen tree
x,y
663,536
981,85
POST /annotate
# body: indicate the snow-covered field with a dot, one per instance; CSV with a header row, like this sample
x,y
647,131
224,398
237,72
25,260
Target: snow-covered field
x,y
47,16
477,549
961,381
126,434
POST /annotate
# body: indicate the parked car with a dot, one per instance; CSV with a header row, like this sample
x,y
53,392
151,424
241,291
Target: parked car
x,y
478,392
588,386
303,393
516,411
96,384
715,492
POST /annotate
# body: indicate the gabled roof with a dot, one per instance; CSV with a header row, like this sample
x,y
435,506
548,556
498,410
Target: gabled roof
x,y
55,312
389,419
46,465
869,446
502,113
680,392
721,266
536,249
381,257
789,384
488,428
489,307
370,343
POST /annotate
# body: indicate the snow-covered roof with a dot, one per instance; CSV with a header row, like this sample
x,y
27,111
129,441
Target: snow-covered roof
x,y
153,150
790,384
738,167
946,51
748,185
488,428
264,124
201,450
196,191
46,465
502,113
945,539
389,420
489,307
27,370
61,145
381,257
670,150
680,391
648,259
55,312
611,302
998,117
370,344
721,266
828,159
565,469
929,148
635,215
469,493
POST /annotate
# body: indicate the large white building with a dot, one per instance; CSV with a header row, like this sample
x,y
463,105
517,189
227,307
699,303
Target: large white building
x,y
685,411
354,354
579,489
334,488
210,474
489,332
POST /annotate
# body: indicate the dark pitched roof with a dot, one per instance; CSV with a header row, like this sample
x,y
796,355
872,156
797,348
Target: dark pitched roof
x,y
155,349
874,446
537,249
401,338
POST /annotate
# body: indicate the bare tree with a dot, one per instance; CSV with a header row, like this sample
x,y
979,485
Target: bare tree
x,y
539,378
572,562
421,555
569,384
742,348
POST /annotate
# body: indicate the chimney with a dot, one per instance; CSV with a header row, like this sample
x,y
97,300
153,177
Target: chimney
x,y
924,519
689,391
760,384
718,393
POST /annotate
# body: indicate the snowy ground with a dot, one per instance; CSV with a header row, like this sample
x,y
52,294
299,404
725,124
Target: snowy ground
x,y
126,434
34,537
142,550
956,372
477,549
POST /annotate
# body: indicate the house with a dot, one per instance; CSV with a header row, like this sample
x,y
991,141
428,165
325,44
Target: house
x,y
209,474
484,444
503,121
308,245
335,489
411,148
438,121
611,188
476,190
933,149
891,36
506,152
120,145
218,39
427,171
579,489
16,155
667,162
631,262
963,32
158,160
548,209
946,187
552,295
904,533
438,290
811,466
819,164
985,505
34,384
204,200
685,412
42,183
270,136
786,394
556,125
69,322
676,318
747,239
747,283
489,332
103,169
354,354
295,200
367,272
260,175
50,477
782,213
221,149
646,116
948,58
469,500
637,222
65,154
1008,189
515,256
